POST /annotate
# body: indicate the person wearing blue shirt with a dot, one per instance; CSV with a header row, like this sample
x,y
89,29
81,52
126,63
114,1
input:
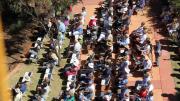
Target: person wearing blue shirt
x,y
61,29
124,41
23,87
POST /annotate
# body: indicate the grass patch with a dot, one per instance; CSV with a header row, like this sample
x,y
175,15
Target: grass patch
x,y
175,61
56,83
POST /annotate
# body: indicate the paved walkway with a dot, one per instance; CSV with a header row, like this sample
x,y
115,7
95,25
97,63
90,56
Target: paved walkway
x,y
161,77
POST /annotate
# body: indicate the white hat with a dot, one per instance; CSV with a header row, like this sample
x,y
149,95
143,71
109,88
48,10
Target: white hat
x,y
93,17
76,62
106,97
126,4
91,65
127,70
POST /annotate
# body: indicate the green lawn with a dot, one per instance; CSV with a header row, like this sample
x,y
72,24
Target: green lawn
x,y
56,83
175,61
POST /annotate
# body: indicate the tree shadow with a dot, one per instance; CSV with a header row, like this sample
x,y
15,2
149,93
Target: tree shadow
x,y
175,75
172,97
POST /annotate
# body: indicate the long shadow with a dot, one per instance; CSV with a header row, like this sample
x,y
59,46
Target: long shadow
x,y
172,97
167,44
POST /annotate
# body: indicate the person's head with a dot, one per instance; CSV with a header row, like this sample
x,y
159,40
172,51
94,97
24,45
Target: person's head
x,y
83,9
39,98
157,42
45,84
151,93
146,75
30,73
148,83
18,85
142,24
76,41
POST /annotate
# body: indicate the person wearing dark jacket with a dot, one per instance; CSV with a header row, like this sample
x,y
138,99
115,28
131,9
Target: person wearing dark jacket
x,y
157,52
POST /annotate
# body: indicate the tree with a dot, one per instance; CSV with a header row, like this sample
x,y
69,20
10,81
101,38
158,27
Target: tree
x,y
35,10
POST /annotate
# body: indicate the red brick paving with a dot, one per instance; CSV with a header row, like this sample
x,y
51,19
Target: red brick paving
x,y
161,77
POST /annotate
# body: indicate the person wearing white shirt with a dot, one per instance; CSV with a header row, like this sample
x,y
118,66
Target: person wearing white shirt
x,y
147,64
143,38
83,14
150,86
102,36
55,58
150,97
77,48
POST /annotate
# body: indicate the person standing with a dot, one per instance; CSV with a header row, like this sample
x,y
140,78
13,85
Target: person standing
x,y
83,14
157,52
77,48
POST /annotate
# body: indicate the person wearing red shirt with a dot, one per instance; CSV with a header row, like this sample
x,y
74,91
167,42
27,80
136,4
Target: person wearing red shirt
x,y
92,22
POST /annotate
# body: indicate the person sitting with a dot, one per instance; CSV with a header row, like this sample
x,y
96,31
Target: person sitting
x,y
106,74
166,16
150,97
18,94
87,79
72,70
108,21
141,28
68,96
123,94
140,5
82,97
77,31
77,48
173,27
27,77
122,81
150,86
123,51
23,87
124,41
146,79
143,92
92,23
88,91
54,58
46,89
102,36
123,67
147,64
107,96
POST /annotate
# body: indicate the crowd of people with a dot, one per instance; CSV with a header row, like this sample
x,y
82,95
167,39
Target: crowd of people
x,y
116,54
169,19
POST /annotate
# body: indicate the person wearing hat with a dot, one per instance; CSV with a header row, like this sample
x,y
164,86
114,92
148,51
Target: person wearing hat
x,y
92,22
